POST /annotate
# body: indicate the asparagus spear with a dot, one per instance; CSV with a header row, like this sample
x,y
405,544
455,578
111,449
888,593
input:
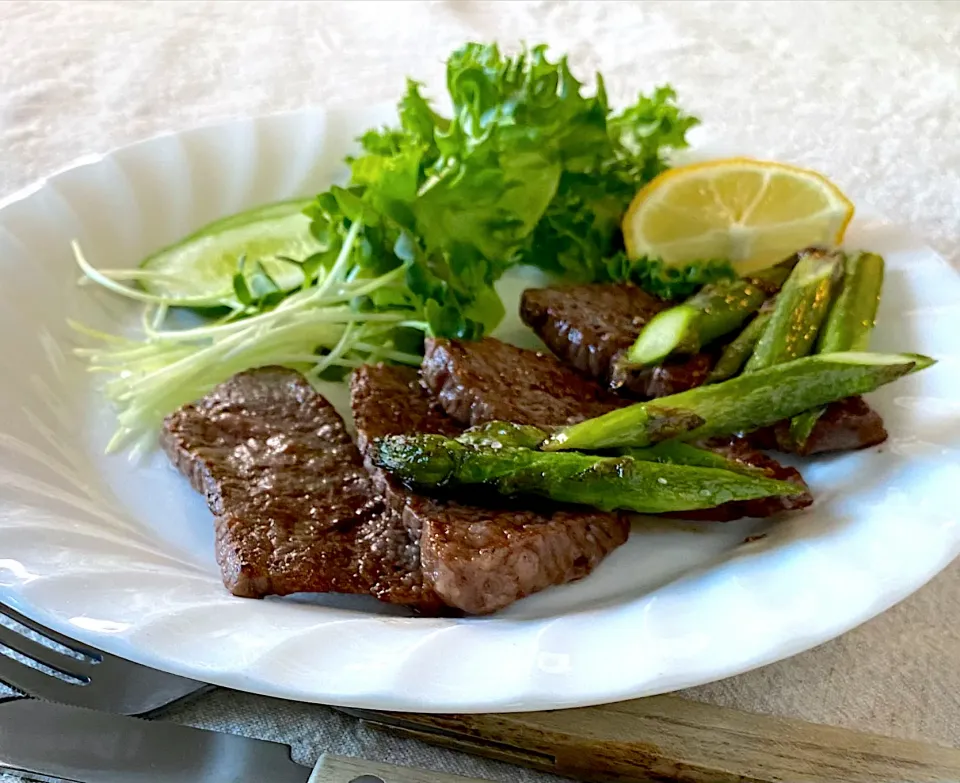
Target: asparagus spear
x,y
746,402
607,483
852,317
800,309
714,311
655,423
849,324
677,452
735,355
501,434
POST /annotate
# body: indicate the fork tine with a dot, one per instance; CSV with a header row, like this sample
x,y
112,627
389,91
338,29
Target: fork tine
x,y
36,683
34,626
50,658
105,682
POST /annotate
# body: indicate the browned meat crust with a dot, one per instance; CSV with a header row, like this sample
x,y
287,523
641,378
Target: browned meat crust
x,y
388,400
846,425
295,510
478,558
491,380
590,326
481,559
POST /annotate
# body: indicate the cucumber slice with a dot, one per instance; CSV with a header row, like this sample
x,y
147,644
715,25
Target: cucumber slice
x,y
205,262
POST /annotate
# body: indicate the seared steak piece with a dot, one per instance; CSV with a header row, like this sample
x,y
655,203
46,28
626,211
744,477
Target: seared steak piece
x,y
845,425
477,382
388,400
590,326
388,563
391,400
295,510
739,449
482,559
476,558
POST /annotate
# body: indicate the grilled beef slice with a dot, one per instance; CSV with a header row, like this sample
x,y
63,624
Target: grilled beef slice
x,y
388,400
590,326
477,558
295,510
481,560
488,380
845,425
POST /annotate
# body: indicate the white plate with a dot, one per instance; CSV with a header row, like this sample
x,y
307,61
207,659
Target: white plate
x,y
120,555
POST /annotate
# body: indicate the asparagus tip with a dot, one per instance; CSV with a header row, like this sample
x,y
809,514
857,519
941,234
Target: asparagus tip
x,y
918,360
427,459
922,362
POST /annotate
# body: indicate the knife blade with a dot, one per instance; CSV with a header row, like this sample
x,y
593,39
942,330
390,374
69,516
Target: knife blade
x,y
77,745
95,747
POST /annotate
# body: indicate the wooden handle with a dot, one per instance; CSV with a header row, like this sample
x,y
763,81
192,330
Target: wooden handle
x,y
336,769
666,738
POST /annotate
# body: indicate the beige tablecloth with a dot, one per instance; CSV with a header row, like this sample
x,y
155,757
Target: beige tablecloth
x,y
867,92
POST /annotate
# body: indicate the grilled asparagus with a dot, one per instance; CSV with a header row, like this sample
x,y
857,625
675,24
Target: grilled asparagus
x,y
607,483
716,310
849,324
746,402
800,309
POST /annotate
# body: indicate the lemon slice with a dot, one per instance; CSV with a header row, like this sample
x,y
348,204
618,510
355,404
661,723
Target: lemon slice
x,y
752,213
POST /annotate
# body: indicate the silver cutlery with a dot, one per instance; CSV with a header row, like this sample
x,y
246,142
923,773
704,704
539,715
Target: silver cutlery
x,y
87,736
95,680
661,737
84,746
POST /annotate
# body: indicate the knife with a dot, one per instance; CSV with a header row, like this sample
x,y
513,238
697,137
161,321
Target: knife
x,y
84,746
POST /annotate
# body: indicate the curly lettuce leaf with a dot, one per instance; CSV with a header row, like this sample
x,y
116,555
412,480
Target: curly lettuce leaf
x,y
580,230
671,283
646,132
517,124
529,168
453,200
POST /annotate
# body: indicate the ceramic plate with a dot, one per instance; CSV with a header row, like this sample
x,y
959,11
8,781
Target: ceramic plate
x,y
120,555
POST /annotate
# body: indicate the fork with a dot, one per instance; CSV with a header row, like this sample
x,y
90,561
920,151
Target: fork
x,y
95,680
666,737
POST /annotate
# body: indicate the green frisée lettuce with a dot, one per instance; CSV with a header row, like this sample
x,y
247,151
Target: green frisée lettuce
x,y
529,168
670,282
579,233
